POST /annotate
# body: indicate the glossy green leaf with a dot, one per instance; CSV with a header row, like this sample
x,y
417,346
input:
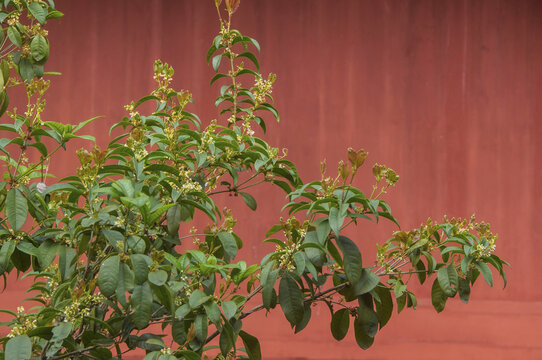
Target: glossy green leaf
x,y
267,280
18,348
108,276
438,297
252,345
291,300
5,254
114,237
229,308
228,243
38,12
158,277
213,312
447,278
39,48
464,290
141,300
485,271
215,62
227,338
16,208
140,266
197,298
351,258
125,283
249,200
178,332
340,321
173,218
363,340
335,220
66,261
307,313
189,355
368,281
60,332
201,327
55,14
251,57
14,36
384,307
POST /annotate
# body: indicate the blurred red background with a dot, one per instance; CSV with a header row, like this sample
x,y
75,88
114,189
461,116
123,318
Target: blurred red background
x,y
446,92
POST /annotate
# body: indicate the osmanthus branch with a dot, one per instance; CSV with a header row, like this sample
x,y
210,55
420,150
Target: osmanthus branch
x,y
311,299
238,186
76,353
403,273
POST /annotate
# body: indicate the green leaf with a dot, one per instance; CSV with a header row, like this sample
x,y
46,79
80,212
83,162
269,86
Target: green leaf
x,y
39,48
47,252
178,332
228,243
182,311
141,300
85,123
14,36
447,277
140,266
340,321
249,200
299,259
251,57
368,281
16,208
363,340
213,312
216,77
252,345
5,254
464,290
60,332
173,218
55,14
267,280
125,283
335,220
38,12
197,298
201,327
229,308
114,237
26,70
189,355
216,61
227,338
384,307
351,258
307,313
485,271
159,212
108,276
18,348
438,297
291,300
66,261
158,277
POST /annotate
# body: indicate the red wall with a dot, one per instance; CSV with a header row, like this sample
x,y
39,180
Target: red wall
x,y
446,92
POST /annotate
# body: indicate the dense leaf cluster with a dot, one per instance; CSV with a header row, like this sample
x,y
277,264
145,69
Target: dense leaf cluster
x,y
104,244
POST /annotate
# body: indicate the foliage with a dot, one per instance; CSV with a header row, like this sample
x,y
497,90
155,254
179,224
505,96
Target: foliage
x,y
103,245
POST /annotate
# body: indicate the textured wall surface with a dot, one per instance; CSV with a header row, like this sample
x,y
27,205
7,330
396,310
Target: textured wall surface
x,y
446,92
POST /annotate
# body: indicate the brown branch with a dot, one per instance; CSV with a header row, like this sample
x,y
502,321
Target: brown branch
x,y
75,353
260,307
